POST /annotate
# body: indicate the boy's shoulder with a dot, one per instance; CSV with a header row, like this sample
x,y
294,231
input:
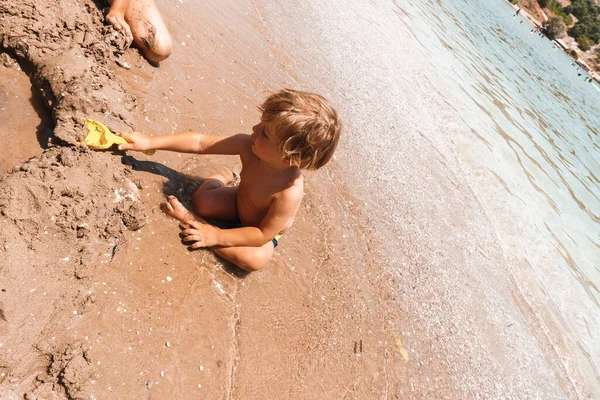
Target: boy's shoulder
x,y
293,191
244,144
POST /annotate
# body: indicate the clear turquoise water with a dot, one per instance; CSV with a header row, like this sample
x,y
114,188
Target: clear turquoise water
x,y
524,101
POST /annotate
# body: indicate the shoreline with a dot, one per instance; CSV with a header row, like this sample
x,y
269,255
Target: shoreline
x,y
595,75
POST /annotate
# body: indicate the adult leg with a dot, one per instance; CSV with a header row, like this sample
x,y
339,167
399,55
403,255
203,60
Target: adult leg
x,y
150,33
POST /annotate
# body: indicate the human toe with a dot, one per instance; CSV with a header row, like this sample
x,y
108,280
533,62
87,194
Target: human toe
x,y
167,207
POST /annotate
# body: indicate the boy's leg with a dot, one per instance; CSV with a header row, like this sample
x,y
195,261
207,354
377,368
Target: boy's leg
x,y
150,33
247,258
212,199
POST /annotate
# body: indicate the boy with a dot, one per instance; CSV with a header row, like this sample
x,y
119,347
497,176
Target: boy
x,y
298,130
140,21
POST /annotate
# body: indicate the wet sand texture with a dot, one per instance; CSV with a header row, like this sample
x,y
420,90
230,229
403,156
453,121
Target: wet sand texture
x,y
21,110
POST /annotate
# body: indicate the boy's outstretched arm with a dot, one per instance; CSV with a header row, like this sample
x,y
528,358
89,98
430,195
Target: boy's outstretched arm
x,y
187,142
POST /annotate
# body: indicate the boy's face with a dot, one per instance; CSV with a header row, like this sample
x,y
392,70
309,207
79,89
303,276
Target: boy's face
x,y
265,144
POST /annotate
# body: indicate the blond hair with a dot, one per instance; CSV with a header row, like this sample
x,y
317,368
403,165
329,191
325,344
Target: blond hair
x,y
306,125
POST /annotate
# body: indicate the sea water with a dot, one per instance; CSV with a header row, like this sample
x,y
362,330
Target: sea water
x,y
533,108
523,123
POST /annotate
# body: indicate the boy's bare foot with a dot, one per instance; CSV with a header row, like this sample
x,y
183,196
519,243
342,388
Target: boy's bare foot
x,y
173,208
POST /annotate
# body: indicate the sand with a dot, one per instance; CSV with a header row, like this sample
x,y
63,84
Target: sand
x,y
99,298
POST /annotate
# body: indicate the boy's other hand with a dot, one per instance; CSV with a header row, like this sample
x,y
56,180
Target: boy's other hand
x,y
117,20
202,235
137,141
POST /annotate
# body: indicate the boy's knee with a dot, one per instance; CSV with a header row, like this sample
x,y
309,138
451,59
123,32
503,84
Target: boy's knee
x,y
252,265
250,261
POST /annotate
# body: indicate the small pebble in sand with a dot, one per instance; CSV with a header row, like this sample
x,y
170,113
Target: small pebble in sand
x,y
201,368
199,386
122,63
168,344
162,373
149,383
169,279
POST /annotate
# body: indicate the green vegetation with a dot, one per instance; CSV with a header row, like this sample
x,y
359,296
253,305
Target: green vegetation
x,y
586,30
555,28
588,27
582,8
573,54
584,43
558,10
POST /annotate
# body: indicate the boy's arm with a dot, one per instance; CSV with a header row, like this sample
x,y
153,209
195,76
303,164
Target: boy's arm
x,y
281,210
187,142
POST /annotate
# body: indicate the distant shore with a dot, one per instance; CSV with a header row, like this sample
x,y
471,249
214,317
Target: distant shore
x,y
560,43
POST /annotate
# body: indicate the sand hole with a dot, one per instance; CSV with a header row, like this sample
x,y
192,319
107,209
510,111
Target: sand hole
x,y
25,122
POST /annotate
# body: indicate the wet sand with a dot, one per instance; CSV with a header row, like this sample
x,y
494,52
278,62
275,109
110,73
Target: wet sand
x,y
99,297
21,111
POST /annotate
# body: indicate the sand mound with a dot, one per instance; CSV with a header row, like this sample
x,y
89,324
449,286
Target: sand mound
x,y
65,212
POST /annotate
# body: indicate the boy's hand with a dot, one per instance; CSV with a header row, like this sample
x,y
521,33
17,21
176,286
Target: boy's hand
x,y
137,141
203,235
117,20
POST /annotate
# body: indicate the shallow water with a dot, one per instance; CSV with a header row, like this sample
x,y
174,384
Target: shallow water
x,y
535,130
502,114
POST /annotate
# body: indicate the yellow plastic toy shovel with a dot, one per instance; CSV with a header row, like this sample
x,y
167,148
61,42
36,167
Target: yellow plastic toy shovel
x,y
99,137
